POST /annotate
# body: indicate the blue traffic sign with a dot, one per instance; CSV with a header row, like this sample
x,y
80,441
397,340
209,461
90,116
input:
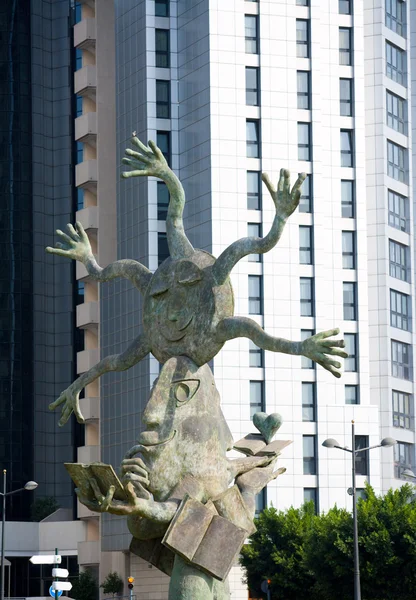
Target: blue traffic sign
x,y
52,593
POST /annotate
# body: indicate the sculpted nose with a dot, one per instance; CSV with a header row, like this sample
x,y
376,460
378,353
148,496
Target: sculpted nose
x,y
174,309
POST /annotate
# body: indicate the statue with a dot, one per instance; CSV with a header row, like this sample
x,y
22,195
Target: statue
x,y
183,515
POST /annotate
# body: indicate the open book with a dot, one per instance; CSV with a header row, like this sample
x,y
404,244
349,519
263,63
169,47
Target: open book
x,y
103,474
253,444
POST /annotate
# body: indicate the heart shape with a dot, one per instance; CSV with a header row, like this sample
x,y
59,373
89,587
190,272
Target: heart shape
x,y
267,424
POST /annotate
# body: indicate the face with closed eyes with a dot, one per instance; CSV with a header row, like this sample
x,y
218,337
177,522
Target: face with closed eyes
x,y
182,308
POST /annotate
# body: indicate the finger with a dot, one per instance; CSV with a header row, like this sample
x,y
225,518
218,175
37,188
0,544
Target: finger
x,y
134,461
329,361
58,402
131,494
135,478
326,334
297,188
134,469
133,163
57,251
65,237
329,368
135,450
135,140
97,492
66,413
77,410
73,233
138,156
88,503
127,174
106,503
334,352
81,232
286,181
268,183
278,472
281,183
156,151
332,343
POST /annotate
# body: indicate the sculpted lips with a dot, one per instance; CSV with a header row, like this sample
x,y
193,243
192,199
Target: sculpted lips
x,y
158,444
178,333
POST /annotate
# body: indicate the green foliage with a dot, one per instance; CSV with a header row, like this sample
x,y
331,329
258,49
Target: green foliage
x,y
85,587
112,584
310,557
42,508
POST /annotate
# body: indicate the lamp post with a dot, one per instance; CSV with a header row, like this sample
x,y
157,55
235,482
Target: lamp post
x,y
29,486
409,473
331,443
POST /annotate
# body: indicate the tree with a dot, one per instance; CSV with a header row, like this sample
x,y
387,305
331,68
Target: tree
x,y
112,584
42,508
85,587
310,557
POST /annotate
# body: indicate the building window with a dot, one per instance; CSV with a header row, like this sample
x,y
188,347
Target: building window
x,y
255,295
396,161
80,198
396,16
398,254
79,293
79,152
162,247
305,245
402,410
361,459
308,401
395,63
78,105
347,148
347,199
254,230
304,141
309,455
345,97
302,2
305,204
350,300
306,363
348,249
256,397
302,38
398,211
251,33
256,355
260,498
162,47
350,363
351,394
252,133
345,46
161,8
253,190
399,310
344,7
404,455
306,297
162,99
79,340
163,142
400,360
396,112
162,200
78,59
252,86
304,92
311,495
77,12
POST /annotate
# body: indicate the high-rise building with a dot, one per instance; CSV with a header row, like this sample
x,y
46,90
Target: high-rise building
x,y
228,90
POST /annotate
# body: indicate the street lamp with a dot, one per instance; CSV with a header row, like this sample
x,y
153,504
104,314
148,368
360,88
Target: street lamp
x,y
29,486
331,443
409,473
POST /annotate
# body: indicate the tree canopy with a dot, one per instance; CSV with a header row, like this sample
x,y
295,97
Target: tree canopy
x,y
310,557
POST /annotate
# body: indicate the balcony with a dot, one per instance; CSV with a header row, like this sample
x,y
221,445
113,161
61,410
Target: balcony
x,y
90,408
88,454
86,129
88,217
86,175
88,315
87,359
85,81
85,34
89,553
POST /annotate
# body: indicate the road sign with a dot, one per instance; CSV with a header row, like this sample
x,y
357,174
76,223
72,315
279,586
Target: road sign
x,y
52,593
62,585
60,572
46,559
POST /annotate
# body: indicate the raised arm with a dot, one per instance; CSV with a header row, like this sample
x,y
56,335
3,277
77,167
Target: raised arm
x,y
149,161
76,245
285,201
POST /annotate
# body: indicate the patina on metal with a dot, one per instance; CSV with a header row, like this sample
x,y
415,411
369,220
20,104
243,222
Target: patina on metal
x,y
189,507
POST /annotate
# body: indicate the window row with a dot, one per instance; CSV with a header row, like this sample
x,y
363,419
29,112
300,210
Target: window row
x,y
352,396
304,93
344,6
404,458
310,455
396,16
395,63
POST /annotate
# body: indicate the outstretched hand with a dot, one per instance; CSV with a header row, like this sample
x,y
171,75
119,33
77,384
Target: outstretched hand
x,y
148,161
74,244
70,400
318,347
133,505
286,200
